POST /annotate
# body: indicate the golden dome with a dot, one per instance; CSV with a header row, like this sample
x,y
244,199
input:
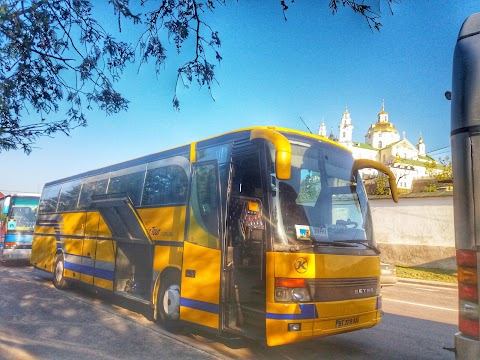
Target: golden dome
x,y
383,127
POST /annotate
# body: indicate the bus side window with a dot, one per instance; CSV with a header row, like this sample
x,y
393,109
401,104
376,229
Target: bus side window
x,y
204,227
89,189
131,184
165,185
49,199
69,197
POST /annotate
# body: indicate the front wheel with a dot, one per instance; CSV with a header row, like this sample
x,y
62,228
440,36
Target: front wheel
x,y
168,303
59,280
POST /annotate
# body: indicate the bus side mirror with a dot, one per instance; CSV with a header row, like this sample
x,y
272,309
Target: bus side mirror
x,y
283,150
6,206
359,164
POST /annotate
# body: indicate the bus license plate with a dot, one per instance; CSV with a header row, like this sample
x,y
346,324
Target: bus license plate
x,y
347,322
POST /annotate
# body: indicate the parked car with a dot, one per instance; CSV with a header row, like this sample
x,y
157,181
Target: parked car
x,y
388,274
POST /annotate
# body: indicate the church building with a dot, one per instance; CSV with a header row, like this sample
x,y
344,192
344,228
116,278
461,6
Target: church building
x,y
383,144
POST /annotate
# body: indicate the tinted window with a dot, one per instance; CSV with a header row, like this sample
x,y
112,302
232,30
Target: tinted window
x,y
131,184
204,226
49,199
165,185
89,189
69,197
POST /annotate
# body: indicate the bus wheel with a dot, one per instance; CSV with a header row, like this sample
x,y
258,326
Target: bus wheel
x,y
58,273
168,303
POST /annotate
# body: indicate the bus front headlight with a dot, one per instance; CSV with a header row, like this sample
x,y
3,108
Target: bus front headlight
x,y
291,290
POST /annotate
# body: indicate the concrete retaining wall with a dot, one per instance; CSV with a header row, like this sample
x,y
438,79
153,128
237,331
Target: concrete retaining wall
x,y
417,231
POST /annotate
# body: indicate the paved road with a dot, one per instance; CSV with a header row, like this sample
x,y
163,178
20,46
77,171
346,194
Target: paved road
x,y
38,321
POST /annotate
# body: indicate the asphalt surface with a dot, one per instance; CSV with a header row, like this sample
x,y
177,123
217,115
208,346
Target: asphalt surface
x,y
427,282
38,321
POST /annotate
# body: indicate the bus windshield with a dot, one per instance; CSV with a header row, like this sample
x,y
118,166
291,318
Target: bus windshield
x,y
23,213
323,202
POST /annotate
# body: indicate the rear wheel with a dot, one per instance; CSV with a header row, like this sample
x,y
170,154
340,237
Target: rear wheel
x,y
58,273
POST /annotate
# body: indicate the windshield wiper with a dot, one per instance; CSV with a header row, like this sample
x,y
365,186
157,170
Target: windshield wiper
x,y
364,243
296,248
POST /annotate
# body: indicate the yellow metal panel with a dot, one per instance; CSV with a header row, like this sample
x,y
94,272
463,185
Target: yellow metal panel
x,y
91,223
88,260
74,223
206,263
105,250
200,290
164,223
43,251
199,317
70,274
73,246
270,277
167,256
278,334
294,265
87,279
89,248
300,265
105,284
103,230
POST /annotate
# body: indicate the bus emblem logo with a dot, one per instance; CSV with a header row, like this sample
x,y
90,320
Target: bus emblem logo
x,y
301,265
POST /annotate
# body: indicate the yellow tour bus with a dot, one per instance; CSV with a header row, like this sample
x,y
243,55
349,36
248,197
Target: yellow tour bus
x,y
263,232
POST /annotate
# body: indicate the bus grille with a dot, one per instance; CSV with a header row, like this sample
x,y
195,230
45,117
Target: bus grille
x,y
323,290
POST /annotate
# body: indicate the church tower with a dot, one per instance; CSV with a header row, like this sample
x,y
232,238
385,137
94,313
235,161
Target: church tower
x,y
382,133
382,115
345,129
421,146
322,130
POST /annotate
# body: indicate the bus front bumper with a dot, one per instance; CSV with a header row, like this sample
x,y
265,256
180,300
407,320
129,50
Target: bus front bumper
x,y
290,323
466,348
15,254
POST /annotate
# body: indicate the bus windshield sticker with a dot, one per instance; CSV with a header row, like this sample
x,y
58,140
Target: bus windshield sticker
x,y
303,232
12,224
311,233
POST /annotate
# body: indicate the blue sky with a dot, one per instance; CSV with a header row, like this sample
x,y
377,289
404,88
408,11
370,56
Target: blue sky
x,y
273,72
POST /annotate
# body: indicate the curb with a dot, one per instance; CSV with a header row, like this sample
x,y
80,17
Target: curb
x,y
430,283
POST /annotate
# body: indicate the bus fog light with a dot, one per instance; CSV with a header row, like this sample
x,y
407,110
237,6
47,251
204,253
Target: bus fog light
x,y
281,294
295,327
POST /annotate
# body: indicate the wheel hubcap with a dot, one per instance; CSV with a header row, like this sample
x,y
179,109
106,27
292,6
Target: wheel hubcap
x,y
59,271
171,302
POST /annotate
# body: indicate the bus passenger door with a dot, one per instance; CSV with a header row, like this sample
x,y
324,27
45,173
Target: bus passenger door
x,y
201,273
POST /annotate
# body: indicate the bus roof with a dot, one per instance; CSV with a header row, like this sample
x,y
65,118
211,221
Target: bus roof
x,y
20,195
185,149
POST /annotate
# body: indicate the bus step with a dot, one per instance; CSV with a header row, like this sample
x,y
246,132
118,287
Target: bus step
x,y
133,297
